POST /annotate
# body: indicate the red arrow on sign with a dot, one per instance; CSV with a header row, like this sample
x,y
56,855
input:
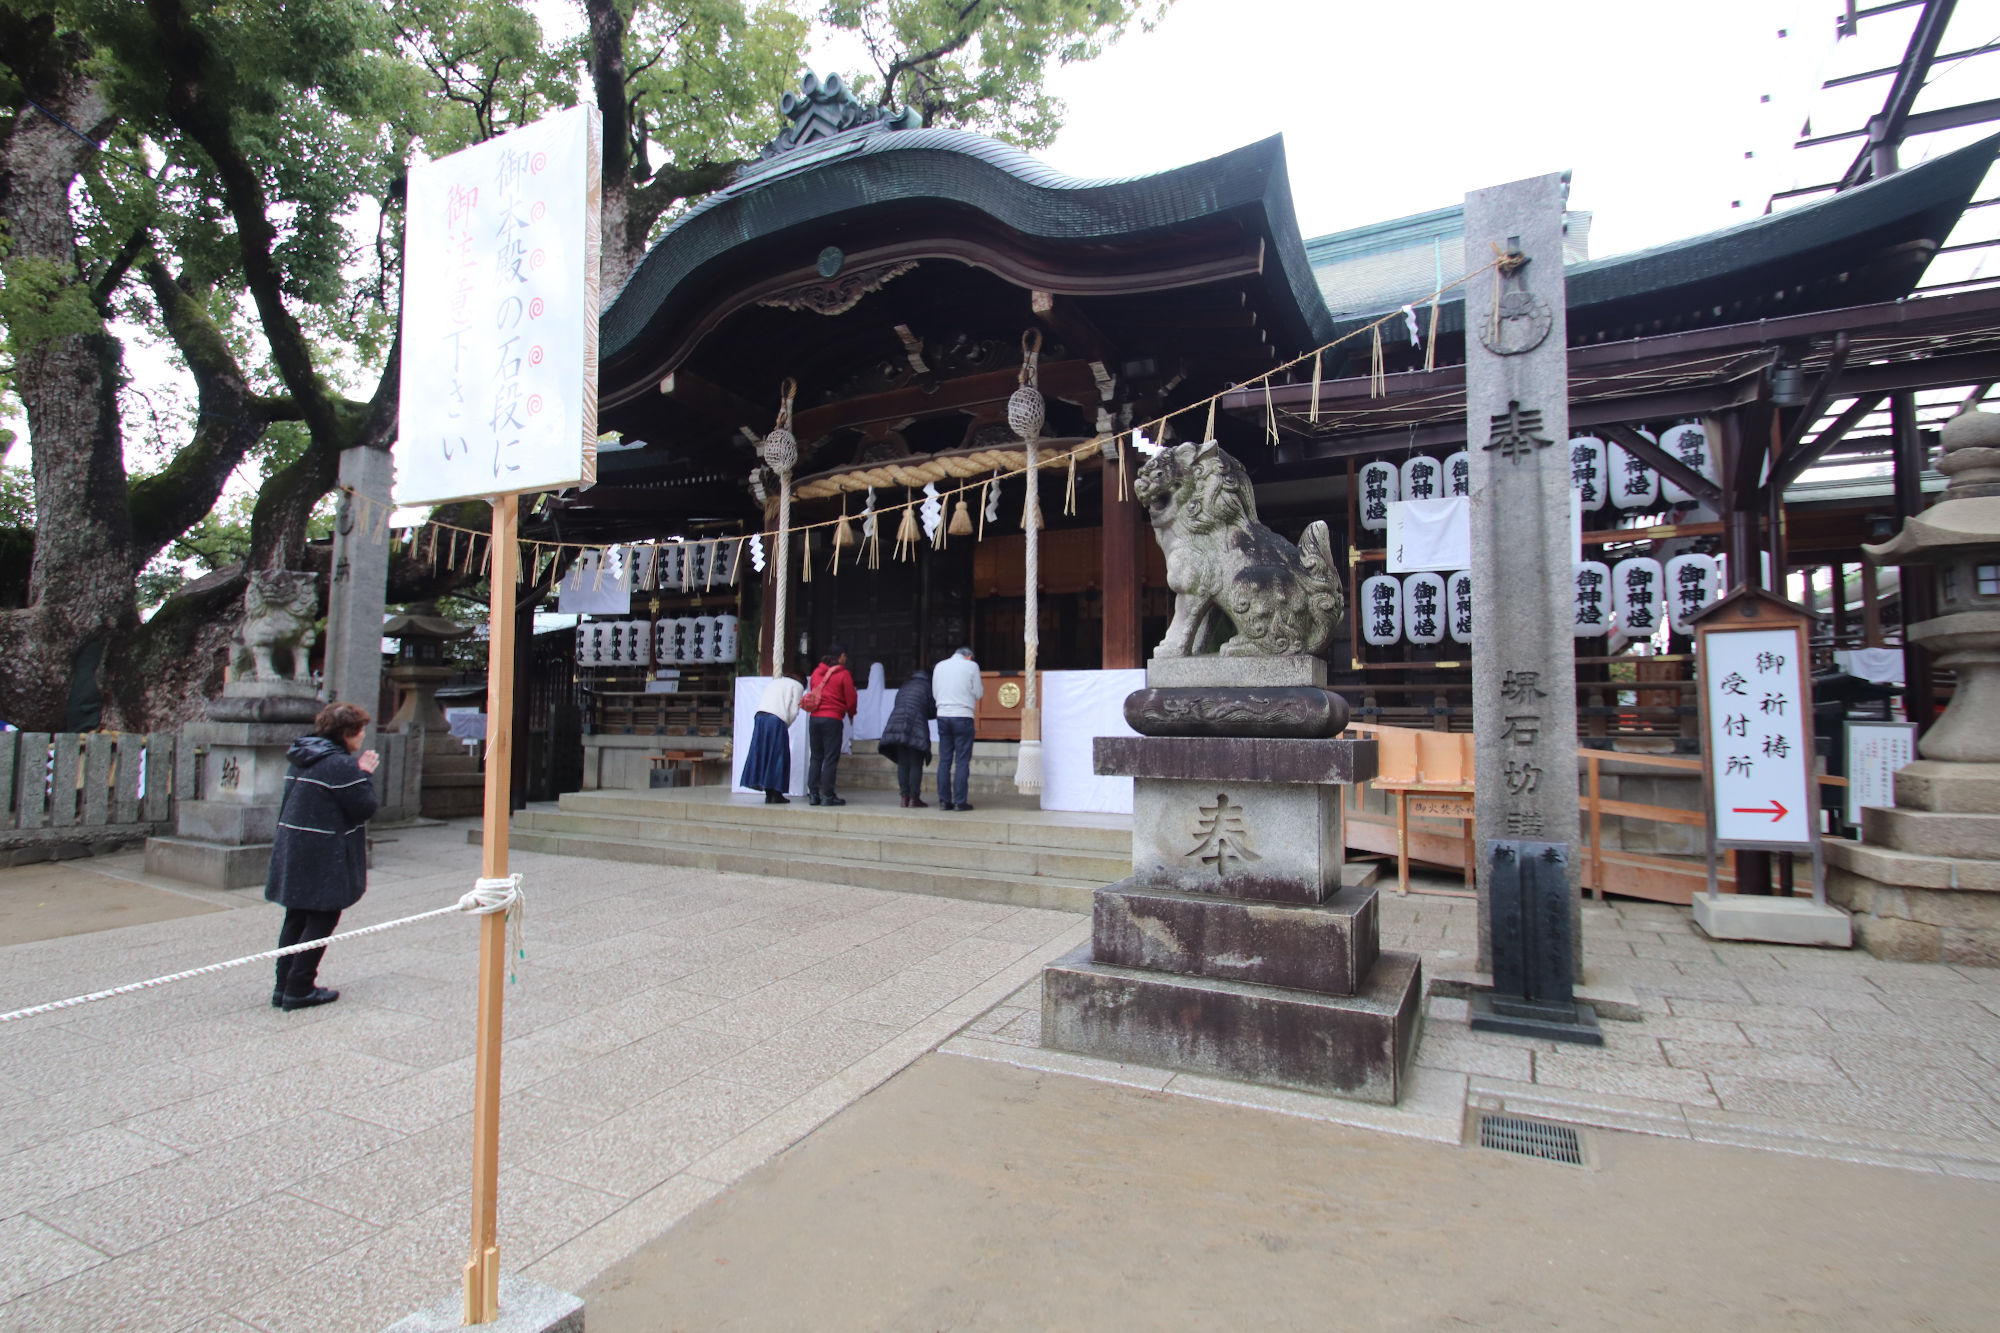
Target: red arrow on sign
x,y
1776,810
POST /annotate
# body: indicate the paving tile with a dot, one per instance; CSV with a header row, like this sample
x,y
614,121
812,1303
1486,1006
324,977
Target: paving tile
x,y
74,1163
1751,1062
1465,1054
34,1254
402,1178
1808,1104
352,1290
637,1149
575,1263
193,1273
1594,1073
1763,1015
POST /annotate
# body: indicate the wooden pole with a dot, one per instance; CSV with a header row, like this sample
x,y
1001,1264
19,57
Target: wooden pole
x,y
482,1269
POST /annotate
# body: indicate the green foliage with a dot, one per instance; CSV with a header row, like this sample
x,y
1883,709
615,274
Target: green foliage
x,y
704,78
982,64
17,497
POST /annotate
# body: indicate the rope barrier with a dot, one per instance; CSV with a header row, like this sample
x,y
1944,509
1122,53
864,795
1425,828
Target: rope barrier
x,y
487,896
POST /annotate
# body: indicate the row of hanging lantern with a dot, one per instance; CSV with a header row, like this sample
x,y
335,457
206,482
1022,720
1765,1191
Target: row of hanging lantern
x,y
1420,477
1631,597
1600,471
669,642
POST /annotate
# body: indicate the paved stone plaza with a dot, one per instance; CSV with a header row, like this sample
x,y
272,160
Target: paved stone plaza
x,y
1821,1052
190,1158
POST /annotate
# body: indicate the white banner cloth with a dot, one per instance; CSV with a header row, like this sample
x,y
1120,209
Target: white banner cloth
x,y
1430,535
749,689
1077,708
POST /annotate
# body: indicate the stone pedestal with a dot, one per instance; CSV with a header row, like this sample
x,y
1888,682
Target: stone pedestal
x,y
223,840
1924,886
1232,949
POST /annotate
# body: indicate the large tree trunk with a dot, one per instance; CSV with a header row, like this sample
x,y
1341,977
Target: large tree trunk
x,y
80,584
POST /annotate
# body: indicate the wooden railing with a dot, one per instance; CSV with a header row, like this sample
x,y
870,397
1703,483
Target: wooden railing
x,y
1416,763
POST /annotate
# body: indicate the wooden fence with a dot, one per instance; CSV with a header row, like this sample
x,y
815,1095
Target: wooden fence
x,y
1383,817
103,781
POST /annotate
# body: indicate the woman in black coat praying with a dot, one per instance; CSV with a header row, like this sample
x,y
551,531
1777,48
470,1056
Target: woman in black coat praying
x,y
906,736
319,859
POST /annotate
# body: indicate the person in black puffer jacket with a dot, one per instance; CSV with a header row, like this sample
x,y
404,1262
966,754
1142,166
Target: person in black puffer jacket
x,y
319,860
906,737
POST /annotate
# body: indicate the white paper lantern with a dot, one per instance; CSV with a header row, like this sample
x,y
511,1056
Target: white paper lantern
x,y
1458,606
663,642
1424,608
1458,473
1692,581
1689,444
1634,484
725,638
1381,610
1593,598
1586,470
704,638
582,644
1636,586
1422,478
1381,486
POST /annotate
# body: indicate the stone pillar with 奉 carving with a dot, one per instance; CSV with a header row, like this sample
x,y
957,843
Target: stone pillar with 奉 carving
x,y
1234,948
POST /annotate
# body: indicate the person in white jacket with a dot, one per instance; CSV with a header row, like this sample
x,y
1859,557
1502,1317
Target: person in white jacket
x,y
768,765
958,686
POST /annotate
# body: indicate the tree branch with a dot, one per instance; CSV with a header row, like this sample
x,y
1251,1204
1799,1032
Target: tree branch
x,y
193,109
230,423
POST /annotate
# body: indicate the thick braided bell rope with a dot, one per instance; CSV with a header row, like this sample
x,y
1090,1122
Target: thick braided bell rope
x,y
487,896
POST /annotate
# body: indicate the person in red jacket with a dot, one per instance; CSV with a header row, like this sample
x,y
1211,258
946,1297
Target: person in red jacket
x,y
830,700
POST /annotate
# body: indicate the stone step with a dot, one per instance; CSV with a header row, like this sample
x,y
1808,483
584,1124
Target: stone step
x,y
1068,895
1931,832
887,842
987,826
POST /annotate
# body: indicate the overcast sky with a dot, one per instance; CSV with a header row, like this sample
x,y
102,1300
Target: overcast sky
x,y
1393,108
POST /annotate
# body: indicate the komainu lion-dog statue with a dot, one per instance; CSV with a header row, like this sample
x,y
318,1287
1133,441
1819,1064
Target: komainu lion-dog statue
x,y
1282,599
279,608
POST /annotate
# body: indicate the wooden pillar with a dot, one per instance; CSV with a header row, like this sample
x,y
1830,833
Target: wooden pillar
x,y
1838,570
1918,603
1871,610
1124,571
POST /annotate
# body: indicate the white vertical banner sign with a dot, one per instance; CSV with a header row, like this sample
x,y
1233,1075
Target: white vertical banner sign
x,y
499,397
1755,699
500,305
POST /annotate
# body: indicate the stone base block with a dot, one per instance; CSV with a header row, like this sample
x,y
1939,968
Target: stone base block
x,y
209,864
1273,759
228,822
453,802
1932,832
1927,784
1275,842
1744,916
1209,670
526,1306
1355,1046
1911,924
1573,1022
1326,947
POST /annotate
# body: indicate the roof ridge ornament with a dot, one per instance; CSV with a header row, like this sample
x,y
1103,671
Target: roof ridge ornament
x,y
821,110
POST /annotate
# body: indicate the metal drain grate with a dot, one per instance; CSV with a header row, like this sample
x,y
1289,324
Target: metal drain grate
x,y
1531,1138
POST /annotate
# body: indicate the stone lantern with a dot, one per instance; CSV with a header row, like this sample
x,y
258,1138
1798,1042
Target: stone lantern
x,y
452,784
1922,883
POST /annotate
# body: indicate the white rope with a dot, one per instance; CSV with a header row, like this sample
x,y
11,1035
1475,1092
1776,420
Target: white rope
x,y
488,895
500,895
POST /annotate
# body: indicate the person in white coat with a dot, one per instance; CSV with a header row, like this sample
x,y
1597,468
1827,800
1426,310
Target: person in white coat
x,y
958,686
768,766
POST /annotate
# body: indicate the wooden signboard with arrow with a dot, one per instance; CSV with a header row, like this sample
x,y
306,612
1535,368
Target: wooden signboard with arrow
x,y
1757,758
